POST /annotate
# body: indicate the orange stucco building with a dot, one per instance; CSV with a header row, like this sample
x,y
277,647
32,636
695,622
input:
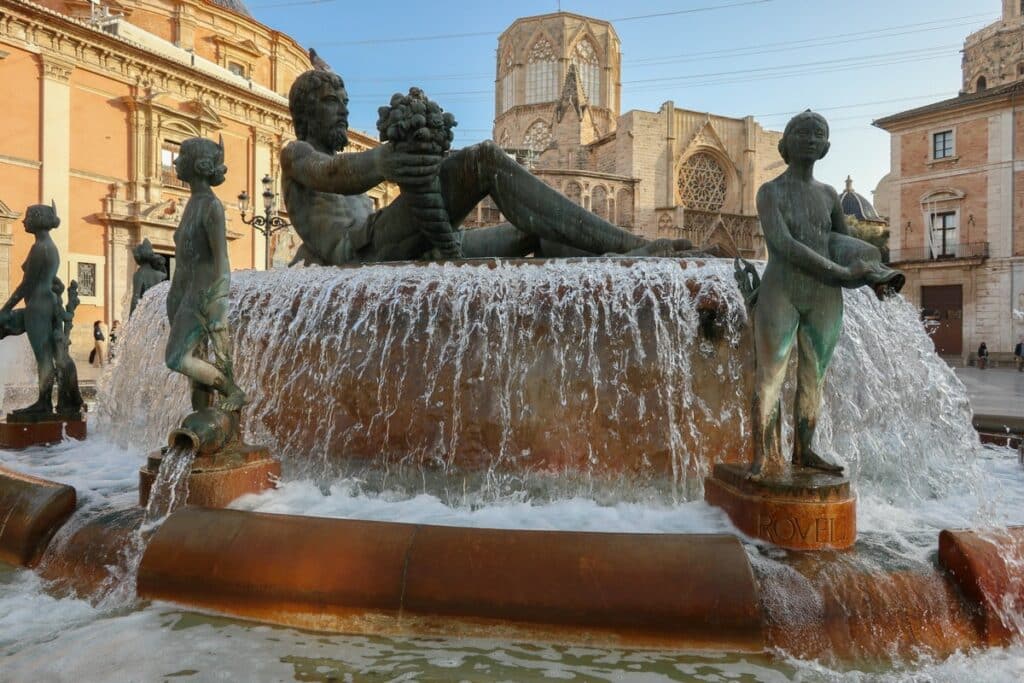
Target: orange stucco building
x,y
98,97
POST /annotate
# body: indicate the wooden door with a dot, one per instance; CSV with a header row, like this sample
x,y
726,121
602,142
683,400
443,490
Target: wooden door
x,y
942,309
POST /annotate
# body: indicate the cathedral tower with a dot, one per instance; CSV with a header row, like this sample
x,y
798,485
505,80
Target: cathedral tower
x,y
557,78
994,56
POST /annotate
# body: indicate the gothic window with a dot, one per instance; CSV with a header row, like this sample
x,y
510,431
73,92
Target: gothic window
x,y
625,202
982,83
599,201
574,192
542,73
702,183
589,70
507,83
538,137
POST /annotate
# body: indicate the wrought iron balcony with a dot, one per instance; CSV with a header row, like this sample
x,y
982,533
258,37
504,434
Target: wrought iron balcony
x,y
974,250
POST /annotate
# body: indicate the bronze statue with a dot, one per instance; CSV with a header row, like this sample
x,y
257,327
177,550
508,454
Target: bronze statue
x,y
197,303
799,299
69,398
42,309
325,195
152,271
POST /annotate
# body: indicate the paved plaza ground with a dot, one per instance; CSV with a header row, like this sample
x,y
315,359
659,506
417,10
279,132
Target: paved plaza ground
x,y
995,391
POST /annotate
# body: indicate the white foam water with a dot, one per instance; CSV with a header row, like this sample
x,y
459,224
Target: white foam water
x,y
894,414
892,409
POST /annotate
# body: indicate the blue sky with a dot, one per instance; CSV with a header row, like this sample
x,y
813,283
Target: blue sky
x,y
853,61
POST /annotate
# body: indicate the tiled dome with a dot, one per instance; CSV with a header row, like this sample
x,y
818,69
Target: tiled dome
x,y
857,205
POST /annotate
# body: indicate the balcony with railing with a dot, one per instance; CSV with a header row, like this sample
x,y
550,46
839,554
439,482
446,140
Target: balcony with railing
x,y
948,252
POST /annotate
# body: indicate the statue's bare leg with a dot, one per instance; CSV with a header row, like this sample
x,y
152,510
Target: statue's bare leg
x,y
478,171
816,340
39,329
775,325
182,343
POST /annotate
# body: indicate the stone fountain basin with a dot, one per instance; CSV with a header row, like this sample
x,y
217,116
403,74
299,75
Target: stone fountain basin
x,y
669,591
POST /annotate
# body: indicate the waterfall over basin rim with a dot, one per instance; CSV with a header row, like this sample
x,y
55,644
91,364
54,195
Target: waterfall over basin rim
x,y
606,366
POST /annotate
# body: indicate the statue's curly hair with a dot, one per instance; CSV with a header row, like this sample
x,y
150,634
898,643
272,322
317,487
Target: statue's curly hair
x,y
304,94
799,118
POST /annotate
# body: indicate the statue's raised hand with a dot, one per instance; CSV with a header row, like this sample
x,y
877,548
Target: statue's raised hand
x,y
409,165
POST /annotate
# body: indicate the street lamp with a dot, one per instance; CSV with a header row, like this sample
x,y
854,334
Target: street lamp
x,y
269,222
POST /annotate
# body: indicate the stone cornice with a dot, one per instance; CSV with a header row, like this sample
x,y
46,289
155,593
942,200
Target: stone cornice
x,y
70,42
56,68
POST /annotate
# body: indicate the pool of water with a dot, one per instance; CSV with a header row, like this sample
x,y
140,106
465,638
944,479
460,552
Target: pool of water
x,y
111,637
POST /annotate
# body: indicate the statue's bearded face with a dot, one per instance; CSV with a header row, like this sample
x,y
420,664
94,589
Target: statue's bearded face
x,y
329,124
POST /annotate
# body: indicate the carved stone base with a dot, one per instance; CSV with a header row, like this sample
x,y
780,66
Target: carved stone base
x,y
15,435
218,479
797,508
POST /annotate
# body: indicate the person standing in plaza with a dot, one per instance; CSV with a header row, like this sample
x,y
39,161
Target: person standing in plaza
x,y
99,336
983,356
1018,354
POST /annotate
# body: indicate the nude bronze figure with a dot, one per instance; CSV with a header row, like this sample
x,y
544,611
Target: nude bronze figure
x,y
197,303
799,299
324,192
41,311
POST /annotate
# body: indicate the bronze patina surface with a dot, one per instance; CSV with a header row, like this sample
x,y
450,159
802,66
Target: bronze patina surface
x,y
17,435
31,510
796,507
684,591
216,480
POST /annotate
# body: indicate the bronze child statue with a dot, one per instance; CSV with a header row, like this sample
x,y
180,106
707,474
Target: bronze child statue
x,y
42,308
151,271
197,303
799,299
69,397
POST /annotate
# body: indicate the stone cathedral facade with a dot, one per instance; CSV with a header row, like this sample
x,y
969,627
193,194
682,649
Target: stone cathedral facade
x,y
671,173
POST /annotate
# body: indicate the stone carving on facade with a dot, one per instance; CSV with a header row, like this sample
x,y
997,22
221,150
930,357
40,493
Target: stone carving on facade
x,y
702,183
538,137
588,70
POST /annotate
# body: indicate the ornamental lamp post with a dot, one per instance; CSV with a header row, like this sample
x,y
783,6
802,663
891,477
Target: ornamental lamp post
x,y
269,222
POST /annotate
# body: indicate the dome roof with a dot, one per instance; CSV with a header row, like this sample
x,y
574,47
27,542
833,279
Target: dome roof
x,y
857,205
234,5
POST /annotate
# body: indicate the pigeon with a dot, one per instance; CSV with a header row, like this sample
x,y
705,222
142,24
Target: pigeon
x,y
318,63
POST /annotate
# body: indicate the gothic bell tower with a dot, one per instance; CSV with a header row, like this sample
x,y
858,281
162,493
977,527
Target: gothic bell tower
x,y
557,82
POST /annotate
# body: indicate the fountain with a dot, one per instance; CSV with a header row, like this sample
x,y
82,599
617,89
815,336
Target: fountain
x,y
501,450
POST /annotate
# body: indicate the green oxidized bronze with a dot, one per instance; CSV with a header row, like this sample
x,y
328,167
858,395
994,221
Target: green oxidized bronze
x,y
325,192
43,311
197,303
799,300
151,271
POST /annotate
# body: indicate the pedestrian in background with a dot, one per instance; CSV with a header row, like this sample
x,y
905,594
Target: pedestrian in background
x,y
115,332
1018,354
99,336
983,356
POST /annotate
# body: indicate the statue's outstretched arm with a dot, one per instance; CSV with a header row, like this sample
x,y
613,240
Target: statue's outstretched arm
x,y
348,174
777,234
838,217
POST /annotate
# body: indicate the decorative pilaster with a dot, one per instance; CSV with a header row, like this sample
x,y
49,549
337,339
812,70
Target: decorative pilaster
x,y
6,243
56,138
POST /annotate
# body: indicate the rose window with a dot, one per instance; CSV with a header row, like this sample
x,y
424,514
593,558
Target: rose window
x,y
538,137
702,183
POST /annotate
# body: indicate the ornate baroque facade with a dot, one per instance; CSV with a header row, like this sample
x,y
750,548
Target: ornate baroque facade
x,y
98,102
954,196
670,173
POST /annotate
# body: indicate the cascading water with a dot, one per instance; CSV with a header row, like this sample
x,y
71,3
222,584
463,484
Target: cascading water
x,y
609,367
444,365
